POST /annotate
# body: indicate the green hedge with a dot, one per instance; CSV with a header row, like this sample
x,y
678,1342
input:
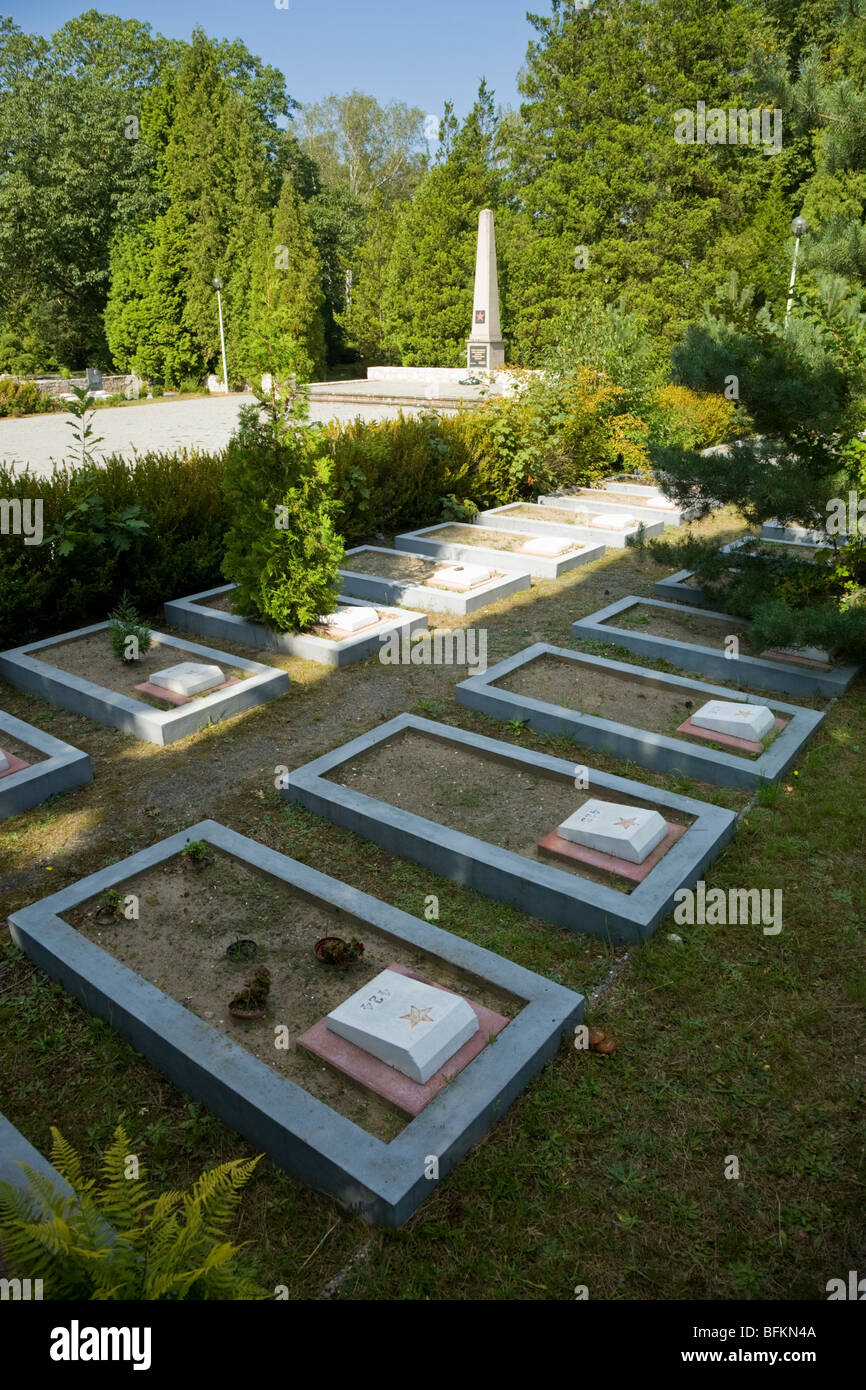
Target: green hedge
x,y
180,498
389,475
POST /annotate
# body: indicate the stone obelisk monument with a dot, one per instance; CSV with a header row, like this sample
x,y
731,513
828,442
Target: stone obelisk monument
x,y
486,347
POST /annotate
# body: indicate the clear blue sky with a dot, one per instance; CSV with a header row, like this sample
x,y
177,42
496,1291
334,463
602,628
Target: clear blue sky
x,y
422,52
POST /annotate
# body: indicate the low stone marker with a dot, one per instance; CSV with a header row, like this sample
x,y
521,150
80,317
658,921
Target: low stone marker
x,y
546,545
353,619
612,522
737,721
408,1024
188,678
4,761
460,577
627,832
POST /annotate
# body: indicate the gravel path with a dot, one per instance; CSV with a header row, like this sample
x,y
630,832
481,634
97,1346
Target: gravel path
x,y
160,424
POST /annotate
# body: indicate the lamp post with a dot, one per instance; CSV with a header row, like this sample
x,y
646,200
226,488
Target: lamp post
x,y
799,227
218,284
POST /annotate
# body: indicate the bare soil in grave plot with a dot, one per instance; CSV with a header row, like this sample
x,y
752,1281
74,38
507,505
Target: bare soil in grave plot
x,y
190,915
92,659
634,700
397,565
698,629
506,803
622,499
393,565
223,603
20,750
533,511
486,536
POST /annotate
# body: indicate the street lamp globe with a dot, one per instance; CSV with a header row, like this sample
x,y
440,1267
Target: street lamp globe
x,y
799,226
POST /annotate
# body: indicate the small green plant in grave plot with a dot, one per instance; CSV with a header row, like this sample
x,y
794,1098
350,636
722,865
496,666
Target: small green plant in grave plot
x,y
196,853
130,638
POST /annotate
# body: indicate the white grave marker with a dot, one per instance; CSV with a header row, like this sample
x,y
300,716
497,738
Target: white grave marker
x,y
411,1026
350,619
546,545
460,576
628,832
741,721
188,678
4,761
612,522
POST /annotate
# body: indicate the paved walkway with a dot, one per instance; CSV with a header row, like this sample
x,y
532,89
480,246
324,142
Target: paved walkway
x,y
162,424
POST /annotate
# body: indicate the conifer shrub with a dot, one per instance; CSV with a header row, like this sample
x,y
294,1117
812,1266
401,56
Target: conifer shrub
x,y
282,547
23,398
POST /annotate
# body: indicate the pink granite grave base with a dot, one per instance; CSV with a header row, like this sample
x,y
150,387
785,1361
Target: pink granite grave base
x,y
772,655
558,848
456,585
159,692
748,745
406,1095
15,764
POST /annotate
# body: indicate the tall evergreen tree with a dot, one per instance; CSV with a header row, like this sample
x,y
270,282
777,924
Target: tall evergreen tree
x,y
427,301
284,327
605,200
363,319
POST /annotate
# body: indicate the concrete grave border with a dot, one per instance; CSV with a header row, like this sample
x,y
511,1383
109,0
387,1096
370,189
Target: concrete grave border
x,y
754,671
20,668
797,535
500,518
60,770
676,588
376,587
191,615
537,888
661,752
424,542
15,1149
316,1145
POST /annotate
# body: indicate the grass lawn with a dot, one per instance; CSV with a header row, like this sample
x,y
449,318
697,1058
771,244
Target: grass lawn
x,y
608,1172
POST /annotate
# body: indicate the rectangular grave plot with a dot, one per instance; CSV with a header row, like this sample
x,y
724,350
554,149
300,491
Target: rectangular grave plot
x,y
383,1182
530,516
569,899
489,693
199,614
50,766
756,672
23,668
402,581
613,502
434,541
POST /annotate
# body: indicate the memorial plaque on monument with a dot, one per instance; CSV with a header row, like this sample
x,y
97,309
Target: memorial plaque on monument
x,y
410,1025
188,678
627,832
478,355
94,379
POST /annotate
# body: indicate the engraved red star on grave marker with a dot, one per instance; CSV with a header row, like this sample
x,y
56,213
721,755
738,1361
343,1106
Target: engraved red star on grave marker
x,y
416,1015
627,823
